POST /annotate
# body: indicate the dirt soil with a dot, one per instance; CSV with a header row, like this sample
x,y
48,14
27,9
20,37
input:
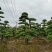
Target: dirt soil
x,y
19,45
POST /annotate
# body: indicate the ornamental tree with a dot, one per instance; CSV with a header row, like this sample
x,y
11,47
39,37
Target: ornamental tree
x,y
49,30
44,25
1,24
24,29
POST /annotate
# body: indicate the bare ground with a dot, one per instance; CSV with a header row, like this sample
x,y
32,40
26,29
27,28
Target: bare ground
x,y
19,45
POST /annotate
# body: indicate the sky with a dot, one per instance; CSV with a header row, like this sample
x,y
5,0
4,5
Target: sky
x,y
39,9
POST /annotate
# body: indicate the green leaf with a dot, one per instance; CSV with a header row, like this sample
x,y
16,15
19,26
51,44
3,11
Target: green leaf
x,y
28,37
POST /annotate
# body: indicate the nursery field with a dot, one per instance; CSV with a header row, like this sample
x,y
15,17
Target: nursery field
x,y
28,36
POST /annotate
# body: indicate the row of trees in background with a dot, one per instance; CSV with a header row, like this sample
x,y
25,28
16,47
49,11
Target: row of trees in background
x,y
30,28
5,30
26,29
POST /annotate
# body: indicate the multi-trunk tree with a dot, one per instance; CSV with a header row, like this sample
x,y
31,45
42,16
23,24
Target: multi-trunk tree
x,y
26,29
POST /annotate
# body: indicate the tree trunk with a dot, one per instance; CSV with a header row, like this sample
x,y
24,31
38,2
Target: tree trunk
x,y
26,41
1,37
7,37
29,23
13,33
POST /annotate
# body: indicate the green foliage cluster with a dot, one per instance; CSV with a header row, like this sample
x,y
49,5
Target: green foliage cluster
x,y
49,29
5,29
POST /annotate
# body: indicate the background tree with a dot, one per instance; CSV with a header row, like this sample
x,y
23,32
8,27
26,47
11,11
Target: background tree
x,y
14,31
6,23
38,28
31,23
49,29
44,22
44,25
1,25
